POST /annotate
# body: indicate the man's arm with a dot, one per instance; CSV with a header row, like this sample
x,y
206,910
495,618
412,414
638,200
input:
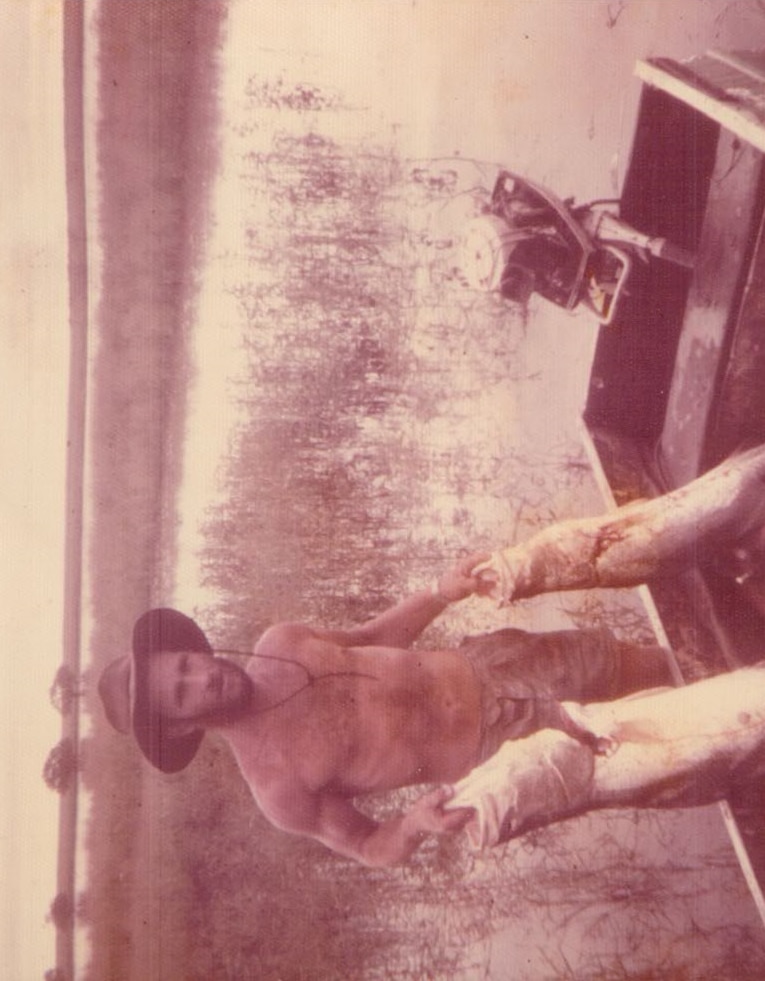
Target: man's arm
x,y
335,822
403,623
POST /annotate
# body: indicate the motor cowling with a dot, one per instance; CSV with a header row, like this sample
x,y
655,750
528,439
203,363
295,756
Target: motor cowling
x,y
485,250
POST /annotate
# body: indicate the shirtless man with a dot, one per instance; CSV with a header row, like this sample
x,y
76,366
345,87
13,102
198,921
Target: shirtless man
x,y
320,716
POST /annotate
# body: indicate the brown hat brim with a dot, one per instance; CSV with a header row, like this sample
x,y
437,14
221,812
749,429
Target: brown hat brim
x,y
124,688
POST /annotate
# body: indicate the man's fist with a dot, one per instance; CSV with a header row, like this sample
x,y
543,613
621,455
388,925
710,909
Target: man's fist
x,y
459,582
427,815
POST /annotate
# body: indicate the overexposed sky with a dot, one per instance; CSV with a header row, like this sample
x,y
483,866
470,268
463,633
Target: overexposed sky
x,y
34,350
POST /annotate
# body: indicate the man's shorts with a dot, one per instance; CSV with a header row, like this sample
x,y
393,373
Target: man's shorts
x,y
524,677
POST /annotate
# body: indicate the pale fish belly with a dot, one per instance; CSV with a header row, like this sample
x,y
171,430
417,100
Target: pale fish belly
x,y
670,748
527,783
681,746
638,541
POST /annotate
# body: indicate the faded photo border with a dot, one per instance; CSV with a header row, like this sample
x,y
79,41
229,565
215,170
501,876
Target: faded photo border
x,y
246,379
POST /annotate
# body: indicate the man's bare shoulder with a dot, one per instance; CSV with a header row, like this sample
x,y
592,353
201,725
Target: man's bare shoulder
x,y
282,793
282,637
290,639
324,815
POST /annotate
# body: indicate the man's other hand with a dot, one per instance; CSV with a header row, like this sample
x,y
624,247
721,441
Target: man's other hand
x,y
459,582
427,815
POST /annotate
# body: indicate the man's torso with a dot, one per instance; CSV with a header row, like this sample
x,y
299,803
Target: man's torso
x,y
359,720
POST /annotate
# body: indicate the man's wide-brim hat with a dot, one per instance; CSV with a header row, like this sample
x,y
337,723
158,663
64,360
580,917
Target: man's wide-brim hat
x,y
124,688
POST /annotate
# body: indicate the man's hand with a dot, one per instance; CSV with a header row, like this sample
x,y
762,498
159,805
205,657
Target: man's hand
x,y
460,582
427,815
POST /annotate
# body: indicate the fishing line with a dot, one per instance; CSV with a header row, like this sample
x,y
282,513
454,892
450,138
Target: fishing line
x,y
312,678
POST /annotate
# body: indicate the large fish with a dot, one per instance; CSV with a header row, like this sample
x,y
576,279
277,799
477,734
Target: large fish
x,y
674,747
637,542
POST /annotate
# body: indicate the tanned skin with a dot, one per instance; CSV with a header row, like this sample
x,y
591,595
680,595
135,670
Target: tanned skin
x,y
320,717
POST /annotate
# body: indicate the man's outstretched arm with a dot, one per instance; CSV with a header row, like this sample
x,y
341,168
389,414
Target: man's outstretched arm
x,y
403,623
335,822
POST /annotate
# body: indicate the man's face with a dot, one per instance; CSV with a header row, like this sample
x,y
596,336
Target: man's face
x,y
189,686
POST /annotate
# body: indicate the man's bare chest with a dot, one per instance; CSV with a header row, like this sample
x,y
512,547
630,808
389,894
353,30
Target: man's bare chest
x,y
359,734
